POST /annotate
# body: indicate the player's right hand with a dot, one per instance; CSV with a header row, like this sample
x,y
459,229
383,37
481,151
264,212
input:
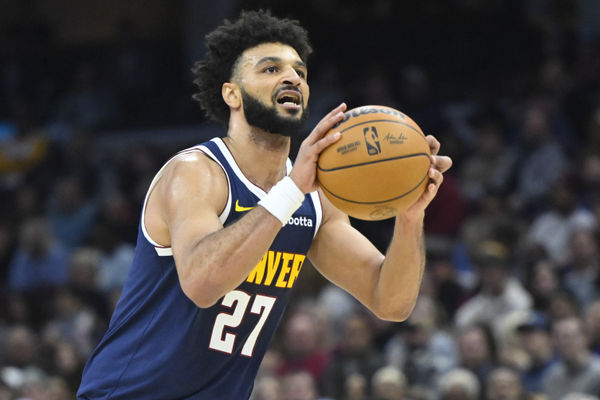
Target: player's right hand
x,y
304,173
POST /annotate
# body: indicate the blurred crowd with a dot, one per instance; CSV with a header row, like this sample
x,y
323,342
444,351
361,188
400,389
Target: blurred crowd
x,y
509,306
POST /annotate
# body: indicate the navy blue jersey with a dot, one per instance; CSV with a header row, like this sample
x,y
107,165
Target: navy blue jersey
x,y
160,345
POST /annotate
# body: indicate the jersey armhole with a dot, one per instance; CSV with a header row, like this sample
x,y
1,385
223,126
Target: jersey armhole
x,y
162,250
318,211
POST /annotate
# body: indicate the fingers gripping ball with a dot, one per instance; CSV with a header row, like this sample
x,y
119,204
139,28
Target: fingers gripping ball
x,y
379,167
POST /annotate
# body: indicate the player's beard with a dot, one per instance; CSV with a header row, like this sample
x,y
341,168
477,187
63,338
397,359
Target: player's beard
x,y
266,118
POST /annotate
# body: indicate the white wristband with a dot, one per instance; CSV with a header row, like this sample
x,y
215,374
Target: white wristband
x,y
283,200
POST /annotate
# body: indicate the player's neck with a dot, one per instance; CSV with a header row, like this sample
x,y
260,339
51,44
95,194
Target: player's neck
x,y
260,155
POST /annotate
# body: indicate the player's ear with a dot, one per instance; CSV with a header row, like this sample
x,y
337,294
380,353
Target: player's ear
x,y
231,95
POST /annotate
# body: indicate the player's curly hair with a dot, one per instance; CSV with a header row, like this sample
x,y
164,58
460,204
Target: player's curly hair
x,y
227,42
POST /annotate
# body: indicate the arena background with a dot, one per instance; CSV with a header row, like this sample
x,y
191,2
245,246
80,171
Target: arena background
x,y
95,95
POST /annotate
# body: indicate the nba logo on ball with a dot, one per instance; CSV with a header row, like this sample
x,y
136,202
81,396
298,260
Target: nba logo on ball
x,y
372,178
372,141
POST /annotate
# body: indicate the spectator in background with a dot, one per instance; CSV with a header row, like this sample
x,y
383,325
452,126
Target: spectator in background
x,y
459,384
266,388
504,384
582,273
44,388
477,351
112,235
588,184
534,338
20,365
355,387
135,172
543,283
335,305
79,156
421,348
563,304
501,297
71,214
16,310
490,168
438,220
119,218
302,344
83,280
22,151
73,322
28,201
592,325
448,293
270,363
57,389
416,97
388,383
489,220
39,261
375,88
20,347
356,354
552,228
299,385
65,365
33,388
577,369
6,393
539,150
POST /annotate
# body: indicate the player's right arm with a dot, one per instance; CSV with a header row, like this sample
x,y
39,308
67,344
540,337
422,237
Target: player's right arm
x,y
183,213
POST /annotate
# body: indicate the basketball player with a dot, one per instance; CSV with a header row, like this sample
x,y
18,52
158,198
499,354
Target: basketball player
x,y
228,224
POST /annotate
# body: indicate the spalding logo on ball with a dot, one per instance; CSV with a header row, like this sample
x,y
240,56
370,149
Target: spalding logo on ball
x,y
379,167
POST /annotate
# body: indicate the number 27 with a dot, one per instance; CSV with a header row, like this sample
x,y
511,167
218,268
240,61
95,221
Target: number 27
x,y
223,341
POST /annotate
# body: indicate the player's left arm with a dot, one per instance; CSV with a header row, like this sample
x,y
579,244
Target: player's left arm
x,y
387,285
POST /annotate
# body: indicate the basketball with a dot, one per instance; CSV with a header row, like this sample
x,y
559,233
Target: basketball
x,y
379,166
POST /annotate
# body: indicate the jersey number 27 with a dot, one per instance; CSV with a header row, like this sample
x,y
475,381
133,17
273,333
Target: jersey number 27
x,y
223,341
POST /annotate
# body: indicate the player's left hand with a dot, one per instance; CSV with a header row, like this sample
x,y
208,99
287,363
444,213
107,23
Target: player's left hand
x,y
439,165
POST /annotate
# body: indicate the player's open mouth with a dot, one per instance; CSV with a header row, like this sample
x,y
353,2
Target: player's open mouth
x,y
290,99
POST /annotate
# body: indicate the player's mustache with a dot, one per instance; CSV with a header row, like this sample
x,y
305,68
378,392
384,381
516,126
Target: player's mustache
x,y
288,87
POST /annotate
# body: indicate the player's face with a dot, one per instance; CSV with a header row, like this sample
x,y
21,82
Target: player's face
x,y
272,79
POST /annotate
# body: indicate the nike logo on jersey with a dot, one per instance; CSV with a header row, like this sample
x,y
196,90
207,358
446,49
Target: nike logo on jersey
x,y
239,208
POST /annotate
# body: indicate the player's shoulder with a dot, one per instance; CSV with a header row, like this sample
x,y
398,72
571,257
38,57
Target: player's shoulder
x,y
192,171
195,163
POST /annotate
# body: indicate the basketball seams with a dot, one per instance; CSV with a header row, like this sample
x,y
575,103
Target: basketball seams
x,y
394,121
376,202
372,162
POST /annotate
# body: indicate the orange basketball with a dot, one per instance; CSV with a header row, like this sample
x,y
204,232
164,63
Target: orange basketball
x,y
378,168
